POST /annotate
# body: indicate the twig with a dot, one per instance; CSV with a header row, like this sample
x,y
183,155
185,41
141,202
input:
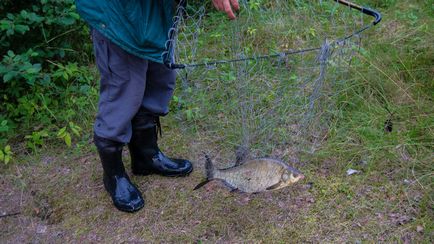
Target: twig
x,y
9,215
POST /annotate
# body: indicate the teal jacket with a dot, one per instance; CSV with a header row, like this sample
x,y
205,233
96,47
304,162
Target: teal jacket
x,y
140,27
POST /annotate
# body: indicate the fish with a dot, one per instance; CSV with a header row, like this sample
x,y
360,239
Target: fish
x,y
253,176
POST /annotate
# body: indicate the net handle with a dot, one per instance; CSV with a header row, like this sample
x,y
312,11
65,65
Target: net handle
x,y
372,12
167,57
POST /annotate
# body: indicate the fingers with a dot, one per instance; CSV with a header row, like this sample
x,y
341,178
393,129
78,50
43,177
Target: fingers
x,y
228,9
217,4
235,5
227,6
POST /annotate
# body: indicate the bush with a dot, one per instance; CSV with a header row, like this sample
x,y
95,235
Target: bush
x,y
44,69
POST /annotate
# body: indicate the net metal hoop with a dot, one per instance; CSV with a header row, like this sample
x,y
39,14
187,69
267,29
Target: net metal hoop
x,y
170,44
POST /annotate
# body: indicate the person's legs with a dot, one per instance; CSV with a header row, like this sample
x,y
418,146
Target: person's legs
x,y
122,85
146,157
159,89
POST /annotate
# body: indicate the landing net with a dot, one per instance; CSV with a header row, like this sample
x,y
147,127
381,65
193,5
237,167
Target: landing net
x,y
263,85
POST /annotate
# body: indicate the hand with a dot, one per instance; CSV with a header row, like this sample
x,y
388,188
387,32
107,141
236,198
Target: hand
x,y
227,6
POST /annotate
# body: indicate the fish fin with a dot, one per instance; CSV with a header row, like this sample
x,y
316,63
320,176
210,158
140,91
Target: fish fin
x,y
238,162
231,187
209,168
274,187
209,171
201,184
241,154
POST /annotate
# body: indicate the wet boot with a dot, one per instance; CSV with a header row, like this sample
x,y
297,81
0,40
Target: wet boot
x,y
125,195
146,157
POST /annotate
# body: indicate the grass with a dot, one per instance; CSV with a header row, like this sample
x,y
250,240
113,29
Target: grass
x,y
60,195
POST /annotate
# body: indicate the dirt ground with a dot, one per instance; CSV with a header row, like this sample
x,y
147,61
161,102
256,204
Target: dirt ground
x,y
58,197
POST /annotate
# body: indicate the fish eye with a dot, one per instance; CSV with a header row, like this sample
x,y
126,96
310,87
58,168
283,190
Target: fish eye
x,y
285,177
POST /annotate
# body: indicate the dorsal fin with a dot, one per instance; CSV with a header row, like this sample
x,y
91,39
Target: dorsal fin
x,y
209,167
209,172
240,155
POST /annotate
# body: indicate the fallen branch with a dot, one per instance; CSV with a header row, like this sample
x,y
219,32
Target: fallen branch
x,y
9,215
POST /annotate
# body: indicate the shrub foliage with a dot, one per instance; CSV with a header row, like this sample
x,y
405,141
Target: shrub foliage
x,y
45,79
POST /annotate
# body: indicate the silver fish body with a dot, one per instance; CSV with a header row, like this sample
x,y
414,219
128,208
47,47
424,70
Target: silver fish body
x,y
255,175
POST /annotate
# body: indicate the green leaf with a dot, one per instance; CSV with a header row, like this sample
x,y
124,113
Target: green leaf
x,y
67,21
24,13
68,139
10,32
75,129
5,25
2,156
34,69
4,126
61,132
21,28
7,159
9,76
74,15
35,18
34,54
189,114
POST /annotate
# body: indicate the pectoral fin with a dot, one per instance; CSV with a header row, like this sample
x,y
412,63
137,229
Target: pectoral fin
x,y
274,187
231,187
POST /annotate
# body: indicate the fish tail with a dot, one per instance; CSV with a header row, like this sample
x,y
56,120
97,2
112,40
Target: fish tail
x,y
209,171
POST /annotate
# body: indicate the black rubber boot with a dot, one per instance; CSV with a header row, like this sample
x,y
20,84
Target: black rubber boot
x,y
125,195
146,157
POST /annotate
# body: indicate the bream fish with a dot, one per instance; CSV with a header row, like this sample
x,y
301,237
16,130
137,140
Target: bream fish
x,y
254,175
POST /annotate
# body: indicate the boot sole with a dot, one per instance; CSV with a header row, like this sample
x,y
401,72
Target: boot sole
x,y
129,210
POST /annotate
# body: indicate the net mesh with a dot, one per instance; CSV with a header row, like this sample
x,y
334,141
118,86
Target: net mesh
x,y
263,85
